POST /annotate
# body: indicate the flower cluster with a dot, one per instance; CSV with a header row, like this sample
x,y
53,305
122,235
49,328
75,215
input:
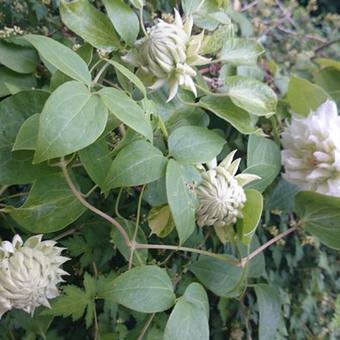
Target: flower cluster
x,y
221,195
29,273
167,54
311,155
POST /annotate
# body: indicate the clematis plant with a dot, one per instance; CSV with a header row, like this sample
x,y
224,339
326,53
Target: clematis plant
x,y
120,149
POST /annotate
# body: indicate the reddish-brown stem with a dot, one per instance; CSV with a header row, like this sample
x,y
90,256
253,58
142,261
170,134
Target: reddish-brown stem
x,y
259,250
100,213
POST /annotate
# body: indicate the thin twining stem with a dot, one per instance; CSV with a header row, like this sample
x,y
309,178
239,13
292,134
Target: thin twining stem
x,y
133,245
89,206
139,207
259,250
221,257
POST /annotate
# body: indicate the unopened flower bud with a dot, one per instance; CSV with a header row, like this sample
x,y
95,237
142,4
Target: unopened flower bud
x,y
168,54
221,195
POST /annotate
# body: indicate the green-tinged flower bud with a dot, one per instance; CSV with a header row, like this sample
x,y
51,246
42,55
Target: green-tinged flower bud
x,y
221,195
167,53
29,273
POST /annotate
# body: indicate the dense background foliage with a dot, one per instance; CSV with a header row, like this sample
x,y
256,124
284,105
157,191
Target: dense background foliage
x,y
305,272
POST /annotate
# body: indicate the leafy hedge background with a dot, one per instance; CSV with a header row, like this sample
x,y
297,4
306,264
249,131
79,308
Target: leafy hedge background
x,y
305,272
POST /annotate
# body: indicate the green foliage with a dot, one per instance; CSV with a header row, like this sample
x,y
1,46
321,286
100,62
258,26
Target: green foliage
x,y
270,308
94,158
193,144
61,57
189,318
50,206
89,23
126,110
146,289
252,212
304,97
70,107
181,201
320,216
264,160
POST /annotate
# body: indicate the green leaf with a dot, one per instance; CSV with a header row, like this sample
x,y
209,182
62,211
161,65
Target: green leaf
x,y
251,95
190,6
138,163
176,113
129,75
18,58
16,167
50,206
320,216
37,324
15,110
206,14
72,303
251,212
86,53
325,62
268,299
75,300
181,201
221,278
194,144
89,23
241,51
196,294
124,20
145,289
257,266
160,221
127,110
140,256
282,197
303,96
329,79
96,159
27,136
188,320
61,57
93,244
242,21
224,108
264,160
155,193
12,82
214,42
72,119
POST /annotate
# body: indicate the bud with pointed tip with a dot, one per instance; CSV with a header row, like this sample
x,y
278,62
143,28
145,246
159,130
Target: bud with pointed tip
x,y
168,54
29,273
221,195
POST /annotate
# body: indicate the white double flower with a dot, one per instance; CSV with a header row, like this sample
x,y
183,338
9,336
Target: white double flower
x,y
311,150
29,273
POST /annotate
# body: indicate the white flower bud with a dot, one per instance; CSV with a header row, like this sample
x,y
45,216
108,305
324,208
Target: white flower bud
x,y
29,273
311,154
167,53
221,195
